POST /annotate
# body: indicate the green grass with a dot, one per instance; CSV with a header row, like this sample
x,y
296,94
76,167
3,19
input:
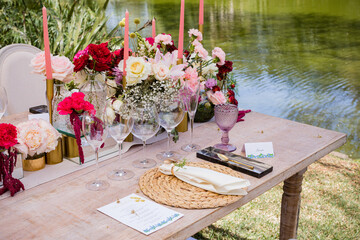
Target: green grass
x,y
330,207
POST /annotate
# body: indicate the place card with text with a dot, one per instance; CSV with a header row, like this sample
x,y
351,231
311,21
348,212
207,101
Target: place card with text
x,y
259,150
142,214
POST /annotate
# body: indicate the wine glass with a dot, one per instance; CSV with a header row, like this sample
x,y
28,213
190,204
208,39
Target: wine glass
x,y
3,101
146,125
171,114
95,131
190,96
226,117
119,128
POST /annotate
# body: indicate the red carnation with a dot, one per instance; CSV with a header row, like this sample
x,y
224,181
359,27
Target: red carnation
x,y
231,93
233,100
150,40
75,103
101,56
224,70
171,48
8,135
215,88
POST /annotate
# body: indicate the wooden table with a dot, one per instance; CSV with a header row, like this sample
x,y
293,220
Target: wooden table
x,y
64,209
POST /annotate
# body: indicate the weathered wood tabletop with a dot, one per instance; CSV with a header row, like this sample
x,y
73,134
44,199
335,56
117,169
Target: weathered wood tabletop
x,y
65,209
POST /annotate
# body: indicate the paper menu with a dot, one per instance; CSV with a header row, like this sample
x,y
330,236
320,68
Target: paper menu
x,y
140,213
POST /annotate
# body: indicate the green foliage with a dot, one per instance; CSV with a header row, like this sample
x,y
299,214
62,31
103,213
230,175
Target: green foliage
x,y
72,24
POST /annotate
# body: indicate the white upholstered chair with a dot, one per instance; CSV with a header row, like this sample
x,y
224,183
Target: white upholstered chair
x,y
24,89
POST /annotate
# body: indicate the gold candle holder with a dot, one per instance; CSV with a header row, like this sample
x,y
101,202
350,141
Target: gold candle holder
x,y
201,28
183,126
55,156
50,96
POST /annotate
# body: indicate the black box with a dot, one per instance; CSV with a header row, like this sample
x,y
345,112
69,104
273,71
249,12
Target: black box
x,y
245,165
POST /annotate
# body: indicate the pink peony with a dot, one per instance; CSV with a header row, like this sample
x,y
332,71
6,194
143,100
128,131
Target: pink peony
x,y
31,137
196,33
191,74
164,39
216,98
38,63
219,55
62,68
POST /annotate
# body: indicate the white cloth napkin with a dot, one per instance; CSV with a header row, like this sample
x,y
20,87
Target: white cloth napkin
x,y
208,179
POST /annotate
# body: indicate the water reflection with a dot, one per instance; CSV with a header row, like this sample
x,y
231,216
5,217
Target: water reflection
x,y
298,60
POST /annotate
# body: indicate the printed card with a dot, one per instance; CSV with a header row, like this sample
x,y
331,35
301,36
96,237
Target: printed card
x,y
259,150
140,213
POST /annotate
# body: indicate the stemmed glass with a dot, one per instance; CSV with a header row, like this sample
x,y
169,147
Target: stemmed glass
x,y
95,131
3,101
190,96
225,117
171,114
146,125
119,128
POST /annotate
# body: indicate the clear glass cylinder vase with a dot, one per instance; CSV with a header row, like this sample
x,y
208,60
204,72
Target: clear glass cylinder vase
x,y
95,91
59,121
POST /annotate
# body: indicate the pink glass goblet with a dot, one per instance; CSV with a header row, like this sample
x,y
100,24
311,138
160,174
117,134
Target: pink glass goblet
x,y
225,117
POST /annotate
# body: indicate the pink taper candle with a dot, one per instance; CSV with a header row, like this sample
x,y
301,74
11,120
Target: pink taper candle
x,y
201,12
126,40
46,46
181,31
153,29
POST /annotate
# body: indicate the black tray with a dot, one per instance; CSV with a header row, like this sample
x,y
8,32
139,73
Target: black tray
x,y
259,169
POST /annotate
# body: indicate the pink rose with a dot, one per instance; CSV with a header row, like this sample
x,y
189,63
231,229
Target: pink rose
x,y
219,55
201,51
62,68
38,63
216,98
164,39
196,33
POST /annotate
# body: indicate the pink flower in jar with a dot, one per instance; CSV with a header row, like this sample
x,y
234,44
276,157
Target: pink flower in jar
x,y
196,33
201,51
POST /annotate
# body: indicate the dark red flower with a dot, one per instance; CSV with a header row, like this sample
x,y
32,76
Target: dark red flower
x,y
81,62
101,56
186,53
215,88
233,100
8,135
171,48
232,85
116,57
231,93
224,70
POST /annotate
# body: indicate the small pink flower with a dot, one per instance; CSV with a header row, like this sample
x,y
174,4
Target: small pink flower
x,y
216,98
62,68
38,63
201,51
196,43
196,33
220,54
164,39
191,74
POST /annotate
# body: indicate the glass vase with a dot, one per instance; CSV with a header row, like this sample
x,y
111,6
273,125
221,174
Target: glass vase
x,y
95,91
59,121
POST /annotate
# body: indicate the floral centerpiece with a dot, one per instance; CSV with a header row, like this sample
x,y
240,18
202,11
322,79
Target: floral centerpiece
x,y
8,158
75,106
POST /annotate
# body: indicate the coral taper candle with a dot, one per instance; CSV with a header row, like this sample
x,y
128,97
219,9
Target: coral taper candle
x,y
201,12
46,46
181,30
153,29
126,41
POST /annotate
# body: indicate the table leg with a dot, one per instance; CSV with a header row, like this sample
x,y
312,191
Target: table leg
x,y
290,206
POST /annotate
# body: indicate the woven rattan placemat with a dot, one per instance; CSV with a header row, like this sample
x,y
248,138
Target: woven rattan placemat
x,y
171,191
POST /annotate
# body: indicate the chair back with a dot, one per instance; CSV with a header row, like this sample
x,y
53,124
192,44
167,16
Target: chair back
x,y
24,89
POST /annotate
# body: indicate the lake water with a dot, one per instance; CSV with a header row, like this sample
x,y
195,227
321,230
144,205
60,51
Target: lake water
x,y
298,60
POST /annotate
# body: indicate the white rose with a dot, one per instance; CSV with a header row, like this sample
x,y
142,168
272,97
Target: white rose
x,y
161,71
117,105
137,69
